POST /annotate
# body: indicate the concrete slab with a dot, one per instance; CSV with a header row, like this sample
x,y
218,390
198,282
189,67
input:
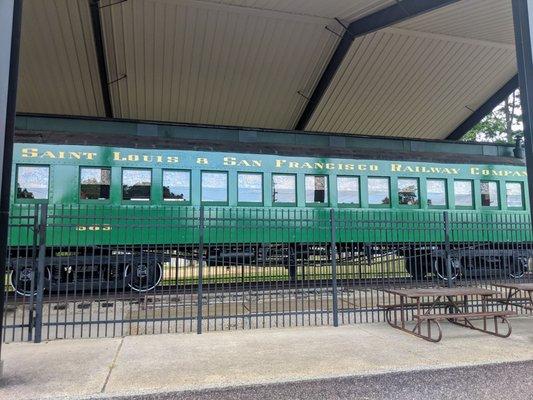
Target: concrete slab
x,y
168,363
492,381
59,368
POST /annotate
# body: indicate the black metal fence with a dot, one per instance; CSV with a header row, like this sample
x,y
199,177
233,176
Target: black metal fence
x,y
99,271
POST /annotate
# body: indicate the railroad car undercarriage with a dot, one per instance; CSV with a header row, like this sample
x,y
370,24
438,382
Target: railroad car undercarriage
x,y
140,270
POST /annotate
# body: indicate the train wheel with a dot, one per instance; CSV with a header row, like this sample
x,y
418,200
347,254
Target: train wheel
x,y
21,281
143,276
439,267
518,267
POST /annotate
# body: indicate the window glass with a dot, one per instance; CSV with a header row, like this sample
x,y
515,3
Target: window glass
x,y
489,194
316,189
283,188
436,191
408,191
249,188
176,185
348,190
514,194
378,191
95,183
215,187
136,184
463,193
32,182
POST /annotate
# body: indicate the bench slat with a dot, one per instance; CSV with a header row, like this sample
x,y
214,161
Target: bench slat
x,y
466,315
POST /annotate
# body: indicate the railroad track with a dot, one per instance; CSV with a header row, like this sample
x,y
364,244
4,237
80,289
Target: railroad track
x,y
210,288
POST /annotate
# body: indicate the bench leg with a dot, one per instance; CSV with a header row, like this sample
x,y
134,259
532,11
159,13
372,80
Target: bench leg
x,y
416,331
467,323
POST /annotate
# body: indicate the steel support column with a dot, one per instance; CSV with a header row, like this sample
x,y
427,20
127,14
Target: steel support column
x,y
523,26
10,20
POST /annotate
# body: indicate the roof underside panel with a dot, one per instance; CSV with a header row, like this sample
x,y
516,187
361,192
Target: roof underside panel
x,y
58,70
198,62
410,83
347,10
254,63
488,20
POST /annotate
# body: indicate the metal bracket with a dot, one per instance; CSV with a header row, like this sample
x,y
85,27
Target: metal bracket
x,y
303,95
113,4
118,79
344,26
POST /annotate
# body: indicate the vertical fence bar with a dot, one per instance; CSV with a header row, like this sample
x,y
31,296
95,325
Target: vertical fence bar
x,y
446,219
35,244
200,270
39,274
334,268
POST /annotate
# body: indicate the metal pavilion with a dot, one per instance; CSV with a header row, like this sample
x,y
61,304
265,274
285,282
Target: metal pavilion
x,y
427,69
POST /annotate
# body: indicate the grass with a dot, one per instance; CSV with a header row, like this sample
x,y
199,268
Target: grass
x,y
380,267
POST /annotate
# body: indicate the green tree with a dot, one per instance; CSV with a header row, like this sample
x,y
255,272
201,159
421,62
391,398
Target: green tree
x,y
501,125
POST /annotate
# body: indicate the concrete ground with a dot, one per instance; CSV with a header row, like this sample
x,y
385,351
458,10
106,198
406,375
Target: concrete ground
x,y
491,381
161,365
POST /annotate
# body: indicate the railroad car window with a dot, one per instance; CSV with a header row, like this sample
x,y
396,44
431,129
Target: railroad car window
x,y
136,184
378,191
249,187
215,187
32,182
283,188
316,189
176,186
408,191
514,196
489,194
95,183
463,193
348,190
436,192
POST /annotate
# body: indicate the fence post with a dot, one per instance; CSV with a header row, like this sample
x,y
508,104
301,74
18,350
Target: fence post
x,y
447,248
334,267
39,275
199,310
35,244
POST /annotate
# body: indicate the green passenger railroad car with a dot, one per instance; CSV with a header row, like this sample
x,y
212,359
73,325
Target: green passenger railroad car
x,y
107,198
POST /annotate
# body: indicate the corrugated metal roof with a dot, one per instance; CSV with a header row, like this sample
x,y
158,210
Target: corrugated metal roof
x,y
347,10
488,20
197,62
409,83
58,71
243,62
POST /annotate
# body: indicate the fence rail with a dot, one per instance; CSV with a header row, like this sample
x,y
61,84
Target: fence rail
x,y
101,271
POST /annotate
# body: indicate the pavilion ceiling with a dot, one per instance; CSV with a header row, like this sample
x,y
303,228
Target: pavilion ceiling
x,y
255,63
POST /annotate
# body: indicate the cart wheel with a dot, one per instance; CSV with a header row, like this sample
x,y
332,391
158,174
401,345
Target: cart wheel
x,y
21,280
439,268
143,276
518,267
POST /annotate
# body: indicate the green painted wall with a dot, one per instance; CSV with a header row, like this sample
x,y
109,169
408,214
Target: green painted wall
x,y
110,222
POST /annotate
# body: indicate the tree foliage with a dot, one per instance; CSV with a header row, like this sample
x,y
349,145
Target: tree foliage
x,y
501,125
